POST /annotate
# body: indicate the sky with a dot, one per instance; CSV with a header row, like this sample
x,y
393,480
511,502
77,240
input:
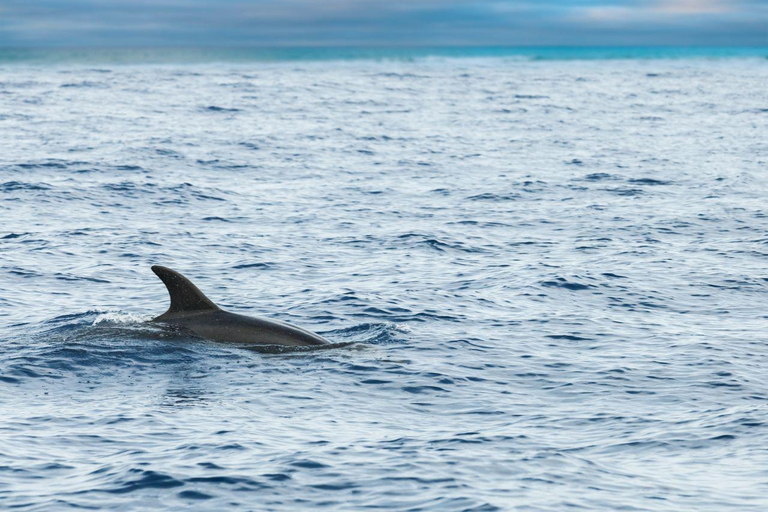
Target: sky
x,y
121,23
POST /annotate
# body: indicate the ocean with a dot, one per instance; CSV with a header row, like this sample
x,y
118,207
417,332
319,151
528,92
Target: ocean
x,y
551,266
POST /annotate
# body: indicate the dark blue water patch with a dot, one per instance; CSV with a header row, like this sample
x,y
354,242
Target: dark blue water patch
x,y
369,333
70,321
214,108
437,244
209,465
15,186
561,282
308,464
375,382
341,486
649,181
417,390
145,479
511,111
185,192
259,264
600,176
568,337
70,277
50,164
222,480
78,344
169,153
85,84
130,188
625,191
194,495
399,75
495,197
277,477
427,315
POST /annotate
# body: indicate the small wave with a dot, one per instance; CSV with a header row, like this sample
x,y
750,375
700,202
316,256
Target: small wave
x,y
561,282
146,479
625,191
51,164
649,181
70,277
399,75
600,176
488,196
85,84
370,333
569,337
194,495
261,264
438,244
195,192
214,108
13,186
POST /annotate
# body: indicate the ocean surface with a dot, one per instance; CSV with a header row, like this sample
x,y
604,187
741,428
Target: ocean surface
x,y
553,272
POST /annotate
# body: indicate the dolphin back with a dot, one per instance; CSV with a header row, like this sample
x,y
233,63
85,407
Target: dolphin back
x,y
185,296
192,310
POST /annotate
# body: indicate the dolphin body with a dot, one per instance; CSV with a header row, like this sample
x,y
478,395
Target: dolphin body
x,y
193,311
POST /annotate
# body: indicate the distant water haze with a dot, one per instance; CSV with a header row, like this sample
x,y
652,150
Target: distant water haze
x,y
191,55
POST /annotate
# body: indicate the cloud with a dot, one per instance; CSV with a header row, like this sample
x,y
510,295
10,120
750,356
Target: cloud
x,y
380,22
695,6
663,9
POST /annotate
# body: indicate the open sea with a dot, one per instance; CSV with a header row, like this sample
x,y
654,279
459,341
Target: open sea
x,y
552,265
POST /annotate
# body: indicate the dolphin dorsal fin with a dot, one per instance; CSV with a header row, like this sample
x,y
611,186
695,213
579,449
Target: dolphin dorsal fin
x,y
185,296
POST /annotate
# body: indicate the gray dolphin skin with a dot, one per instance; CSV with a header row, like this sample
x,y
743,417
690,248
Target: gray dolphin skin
x,y
193,311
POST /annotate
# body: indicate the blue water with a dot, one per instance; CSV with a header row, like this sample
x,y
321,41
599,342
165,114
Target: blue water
x,y
554,275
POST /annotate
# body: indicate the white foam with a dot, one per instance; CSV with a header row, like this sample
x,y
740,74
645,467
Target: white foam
x,y
119,317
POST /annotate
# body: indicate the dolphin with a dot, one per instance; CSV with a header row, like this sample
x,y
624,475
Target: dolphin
x,y
193,311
